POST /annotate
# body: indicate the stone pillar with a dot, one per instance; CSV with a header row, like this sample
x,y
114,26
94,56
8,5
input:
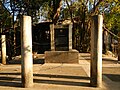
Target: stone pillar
x,y
106,40
70,36
3,49
52,37
26,52
96,51
119,47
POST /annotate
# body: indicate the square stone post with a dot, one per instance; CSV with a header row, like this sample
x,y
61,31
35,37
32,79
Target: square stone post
x,y
26,52
52,37
3,49
70,36
119,47
96,51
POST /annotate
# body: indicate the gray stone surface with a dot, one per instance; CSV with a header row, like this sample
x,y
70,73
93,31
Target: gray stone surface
x,y
26,51
62,56
96,51
61,76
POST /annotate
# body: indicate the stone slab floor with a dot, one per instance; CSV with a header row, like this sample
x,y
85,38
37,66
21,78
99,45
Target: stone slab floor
x,y
62,76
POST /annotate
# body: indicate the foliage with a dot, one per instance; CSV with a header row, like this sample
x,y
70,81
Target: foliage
x,y
82,10
112,16
5,18
79,11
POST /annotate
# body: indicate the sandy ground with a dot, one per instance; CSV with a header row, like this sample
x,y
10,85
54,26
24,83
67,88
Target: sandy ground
x,y
61,76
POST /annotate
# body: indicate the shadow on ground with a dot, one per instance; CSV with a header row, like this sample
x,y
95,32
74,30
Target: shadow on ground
x,y
104,59
35,61
59,82
62,76
109,61
11,80
113,77
8,80
62,82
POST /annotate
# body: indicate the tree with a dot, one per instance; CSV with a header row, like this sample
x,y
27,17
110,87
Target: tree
x,y
81,11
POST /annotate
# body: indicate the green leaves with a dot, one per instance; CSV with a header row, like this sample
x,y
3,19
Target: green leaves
x,y
112,15
4,16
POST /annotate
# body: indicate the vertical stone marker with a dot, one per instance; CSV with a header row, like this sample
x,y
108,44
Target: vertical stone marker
x,y
119,47
26,52
52,37
70,36
96,51
3,47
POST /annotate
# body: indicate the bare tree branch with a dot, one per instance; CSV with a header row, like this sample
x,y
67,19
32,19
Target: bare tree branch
x,y
69,11
94,10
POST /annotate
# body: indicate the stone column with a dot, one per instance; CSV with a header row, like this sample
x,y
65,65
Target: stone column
x,y
70,36
119,47
3,49
96,51
26,52
52,37
106,40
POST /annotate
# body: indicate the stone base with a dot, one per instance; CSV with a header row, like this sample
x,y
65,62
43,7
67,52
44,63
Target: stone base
x,y
62,56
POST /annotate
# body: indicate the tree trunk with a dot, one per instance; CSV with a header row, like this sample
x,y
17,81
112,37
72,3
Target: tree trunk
x,y
56,9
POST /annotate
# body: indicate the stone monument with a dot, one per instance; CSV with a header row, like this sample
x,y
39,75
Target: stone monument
x,y
61,45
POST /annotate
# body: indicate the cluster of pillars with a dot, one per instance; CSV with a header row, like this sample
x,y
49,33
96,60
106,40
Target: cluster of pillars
x,y
26,51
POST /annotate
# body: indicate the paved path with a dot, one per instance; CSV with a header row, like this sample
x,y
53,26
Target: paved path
x,y
62,76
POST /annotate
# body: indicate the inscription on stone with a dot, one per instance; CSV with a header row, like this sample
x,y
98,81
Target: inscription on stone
x,y
61,39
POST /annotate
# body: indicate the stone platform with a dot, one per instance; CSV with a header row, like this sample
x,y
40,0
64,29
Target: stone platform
x,y
71,56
